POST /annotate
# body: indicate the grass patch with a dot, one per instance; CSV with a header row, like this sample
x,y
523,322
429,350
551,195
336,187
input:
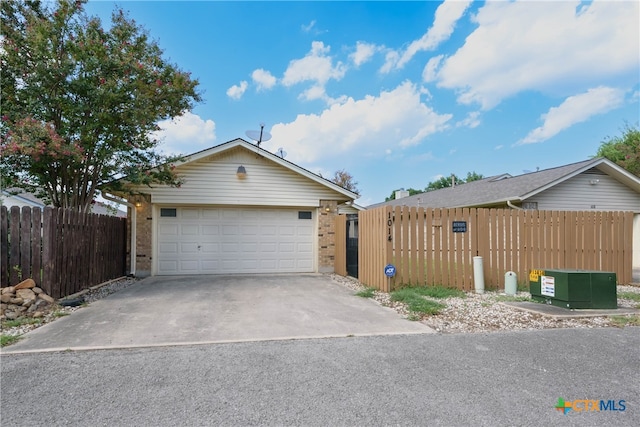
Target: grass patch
x,y
512,298
439,292
21,321
6,340
366,293
622,321
416,302
59,314
629,295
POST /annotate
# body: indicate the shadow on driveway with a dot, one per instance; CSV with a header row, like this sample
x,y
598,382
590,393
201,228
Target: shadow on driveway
x,y
183,310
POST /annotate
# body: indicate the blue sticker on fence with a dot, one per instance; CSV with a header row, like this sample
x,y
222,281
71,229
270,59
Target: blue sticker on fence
x,y
390,270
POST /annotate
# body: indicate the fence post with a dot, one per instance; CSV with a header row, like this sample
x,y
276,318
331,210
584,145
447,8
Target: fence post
x,y
4,246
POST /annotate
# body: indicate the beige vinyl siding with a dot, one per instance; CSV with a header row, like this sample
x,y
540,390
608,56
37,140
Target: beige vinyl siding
x,y
213,181
578,193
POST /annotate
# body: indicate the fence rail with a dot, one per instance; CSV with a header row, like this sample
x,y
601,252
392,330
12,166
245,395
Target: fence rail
x,y
63,251
422,244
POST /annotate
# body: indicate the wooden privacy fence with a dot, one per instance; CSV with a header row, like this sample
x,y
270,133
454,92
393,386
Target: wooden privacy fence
x,y
436,246
63,251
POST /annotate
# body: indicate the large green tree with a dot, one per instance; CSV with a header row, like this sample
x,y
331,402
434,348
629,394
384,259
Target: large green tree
x,y
80,103
624,149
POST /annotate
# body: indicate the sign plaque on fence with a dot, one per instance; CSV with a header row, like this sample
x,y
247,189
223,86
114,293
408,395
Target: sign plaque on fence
x,y
459,226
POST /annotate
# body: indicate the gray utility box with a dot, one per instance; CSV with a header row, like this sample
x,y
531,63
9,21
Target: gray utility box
x,y
574,288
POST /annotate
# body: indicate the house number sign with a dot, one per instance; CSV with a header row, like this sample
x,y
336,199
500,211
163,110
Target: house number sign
x,y
389,224
459,226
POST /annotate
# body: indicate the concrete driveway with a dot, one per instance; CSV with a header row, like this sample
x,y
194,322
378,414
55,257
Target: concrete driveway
x,y
161,311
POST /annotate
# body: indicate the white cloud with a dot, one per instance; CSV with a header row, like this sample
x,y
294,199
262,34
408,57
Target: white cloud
x,y
575,109
309,27
430,72
447,14
543,46
185,134
498,147
263,79
316,66
471,121
236,91
364,52
370,126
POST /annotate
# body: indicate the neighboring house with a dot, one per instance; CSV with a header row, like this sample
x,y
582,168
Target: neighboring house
x,y
10,198
240,209
349,208
596,184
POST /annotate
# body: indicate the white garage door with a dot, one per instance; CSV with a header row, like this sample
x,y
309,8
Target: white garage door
x,y
235,240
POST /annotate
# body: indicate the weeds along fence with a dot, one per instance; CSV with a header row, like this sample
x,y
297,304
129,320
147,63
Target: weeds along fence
x,y
436,246
63,251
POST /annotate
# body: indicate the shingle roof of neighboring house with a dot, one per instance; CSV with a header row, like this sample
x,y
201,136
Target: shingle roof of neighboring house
x,y
502,188
97,207
20,194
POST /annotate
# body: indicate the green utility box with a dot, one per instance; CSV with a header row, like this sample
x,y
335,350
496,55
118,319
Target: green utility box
x,y
574,288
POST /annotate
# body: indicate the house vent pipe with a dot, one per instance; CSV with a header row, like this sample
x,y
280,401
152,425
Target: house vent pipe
x,y
132,262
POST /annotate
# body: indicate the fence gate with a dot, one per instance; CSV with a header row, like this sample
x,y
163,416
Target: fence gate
x,y
352,245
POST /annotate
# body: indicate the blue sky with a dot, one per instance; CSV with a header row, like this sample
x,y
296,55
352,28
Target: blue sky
x,y
402,93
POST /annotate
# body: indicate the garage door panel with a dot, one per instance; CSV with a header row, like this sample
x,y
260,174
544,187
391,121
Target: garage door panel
x,y
209,248
189,230
168,229
168,248
210,214
286,247
210,230
189,248
168,267
190,266
305,247
235,240
267,248
187,213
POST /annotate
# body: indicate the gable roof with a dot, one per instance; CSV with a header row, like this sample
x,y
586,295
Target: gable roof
x,y
503,188
21,196
238,142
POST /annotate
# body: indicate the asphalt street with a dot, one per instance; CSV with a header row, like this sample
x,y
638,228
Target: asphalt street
x,y
510,379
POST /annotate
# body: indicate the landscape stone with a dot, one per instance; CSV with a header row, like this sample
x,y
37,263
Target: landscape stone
x,y
46,297
16,301
11,315
37,314
25,294
37,290
5,298
21,309
26,284
40,303
8,290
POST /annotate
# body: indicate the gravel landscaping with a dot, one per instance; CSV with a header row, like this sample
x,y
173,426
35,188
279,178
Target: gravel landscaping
x,y
487,313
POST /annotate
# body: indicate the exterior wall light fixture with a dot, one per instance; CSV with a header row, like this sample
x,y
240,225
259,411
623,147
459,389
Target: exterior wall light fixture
x,y
241,173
